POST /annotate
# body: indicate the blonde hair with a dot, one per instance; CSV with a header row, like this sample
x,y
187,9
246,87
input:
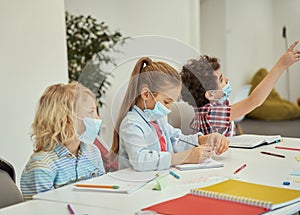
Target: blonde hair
x,y
54,119
157,76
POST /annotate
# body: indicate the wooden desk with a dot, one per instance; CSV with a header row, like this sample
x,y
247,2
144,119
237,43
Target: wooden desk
x,y
263,169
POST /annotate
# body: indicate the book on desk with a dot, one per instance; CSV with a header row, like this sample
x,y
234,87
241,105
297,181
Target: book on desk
x,y
122,181
250,141
209,163
229,197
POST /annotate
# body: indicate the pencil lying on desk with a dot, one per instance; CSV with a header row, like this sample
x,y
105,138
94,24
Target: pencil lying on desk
x,y
239,169
97,186
272,154
71,210
287,148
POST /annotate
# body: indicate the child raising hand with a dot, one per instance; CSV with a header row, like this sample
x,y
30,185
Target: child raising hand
x,y
207,89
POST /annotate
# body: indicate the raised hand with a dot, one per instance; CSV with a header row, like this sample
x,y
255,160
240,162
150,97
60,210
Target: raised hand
x,y
290,56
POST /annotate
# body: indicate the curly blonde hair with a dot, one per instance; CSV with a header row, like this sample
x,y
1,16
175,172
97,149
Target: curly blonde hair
x,y
54,119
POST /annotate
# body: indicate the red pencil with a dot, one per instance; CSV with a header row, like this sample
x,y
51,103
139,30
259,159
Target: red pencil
x,y
287,148
239,169
97,186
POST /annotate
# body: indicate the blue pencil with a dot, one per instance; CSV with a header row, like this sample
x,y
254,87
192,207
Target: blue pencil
x,y
174,174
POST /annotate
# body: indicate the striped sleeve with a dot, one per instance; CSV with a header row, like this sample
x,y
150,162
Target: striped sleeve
x,y
36,177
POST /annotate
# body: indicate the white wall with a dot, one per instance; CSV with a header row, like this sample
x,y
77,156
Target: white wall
x,y
174,18
286,13
249,39
213,29
252,37
32,56
177,19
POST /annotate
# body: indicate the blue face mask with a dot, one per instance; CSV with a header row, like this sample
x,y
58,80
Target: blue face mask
x,y
159,111
227,91
92,128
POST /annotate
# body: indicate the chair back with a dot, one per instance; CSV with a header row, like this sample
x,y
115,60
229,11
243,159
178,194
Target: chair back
x,y
7,167
10,193
181,116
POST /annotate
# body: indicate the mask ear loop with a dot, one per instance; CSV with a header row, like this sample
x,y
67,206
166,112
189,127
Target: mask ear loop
x,y
145,107
152,96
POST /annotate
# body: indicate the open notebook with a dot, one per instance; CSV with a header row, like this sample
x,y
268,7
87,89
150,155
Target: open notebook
x,y
99,184
210,163
129,174
232,197
249,141
122,181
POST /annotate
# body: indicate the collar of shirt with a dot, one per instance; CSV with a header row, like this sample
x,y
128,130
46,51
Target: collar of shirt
x,y
141,113
63,151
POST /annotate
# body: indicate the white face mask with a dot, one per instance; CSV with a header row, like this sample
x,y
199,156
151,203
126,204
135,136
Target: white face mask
x,y
159,111
92,128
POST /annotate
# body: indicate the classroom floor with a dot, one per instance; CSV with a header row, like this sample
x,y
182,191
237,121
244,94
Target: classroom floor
x,y
286,128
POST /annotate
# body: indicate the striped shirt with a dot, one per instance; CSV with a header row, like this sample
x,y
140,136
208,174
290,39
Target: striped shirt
x,y
49,170
213,117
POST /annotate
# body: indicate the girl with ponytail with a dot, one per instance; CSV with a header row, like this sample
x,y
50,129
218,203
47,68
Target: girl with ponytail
x,y
142,137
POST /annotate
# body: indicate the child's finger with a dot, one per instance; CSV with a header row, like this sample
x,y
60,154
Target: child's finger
x,y
293,46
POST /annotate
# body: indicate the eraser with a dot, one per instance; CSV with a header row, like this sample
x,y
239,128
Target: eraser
x,y
286,183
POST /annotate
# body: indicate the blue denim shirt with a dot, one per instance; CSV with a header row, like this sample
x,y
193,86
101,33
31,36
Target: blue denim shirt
x,y
139,144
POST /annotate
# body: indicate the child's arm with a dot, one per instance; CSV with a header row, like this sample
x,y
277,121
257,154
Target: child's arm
x,y
261,92
36,178
194,155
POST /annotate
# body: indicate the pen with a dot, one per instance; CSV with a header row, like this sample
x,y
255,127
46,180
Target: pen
x,y
273,154
71,211
239,169
174,174
276,141
184,141
97,186
287,148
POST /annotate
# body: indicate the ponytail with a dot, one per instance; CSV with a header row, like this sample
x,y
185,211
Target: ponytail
x,y
149,73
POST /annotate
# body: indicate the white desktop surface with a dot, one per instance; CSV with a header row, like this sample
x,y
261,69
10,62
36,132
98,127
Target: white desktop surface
x,y
263,169
41,207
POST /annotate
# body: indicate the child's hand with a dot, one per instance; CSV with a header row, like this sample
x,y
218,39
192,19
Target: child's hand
x,y
219,143
199,154
289,57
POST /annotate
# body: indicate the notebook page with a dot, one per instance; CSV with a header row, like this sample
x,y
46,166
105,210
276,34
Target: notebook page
x,y
251,141
124,186
210,163
129,174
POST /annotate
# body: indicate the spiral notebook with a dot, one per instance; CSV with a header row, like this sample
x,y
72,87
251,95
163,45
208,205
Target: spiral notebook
x,y
232,197
250,193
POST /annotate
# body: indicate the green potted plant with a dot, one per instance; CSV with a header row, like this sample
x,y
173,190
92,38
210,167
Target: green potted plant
x,y
87,42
